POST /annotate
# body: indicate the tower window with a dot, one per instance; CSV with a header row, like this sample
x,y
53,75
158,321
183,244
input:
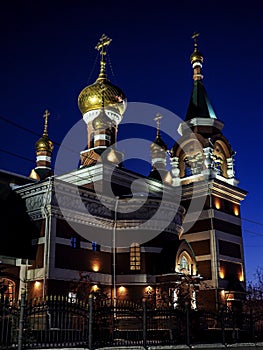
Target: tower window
x,y
95,247
75,242
188,169
135,257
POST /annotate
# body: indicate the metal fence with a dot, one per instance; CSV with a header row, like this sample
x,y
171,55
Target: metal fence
x,y
62,322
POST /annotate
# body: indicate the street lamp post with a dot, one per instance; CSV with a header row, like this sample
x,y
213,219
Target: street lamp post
x,y
114,252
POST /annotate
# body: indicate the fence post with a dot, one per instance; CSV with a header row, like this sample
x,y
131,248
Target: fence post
x,y
21,321
187,323
90,320
144,321
222,314
251,326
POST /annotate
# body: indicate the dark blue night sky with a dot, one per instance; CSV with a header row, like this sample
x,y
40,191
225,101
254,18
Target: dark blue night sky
x,y
47,57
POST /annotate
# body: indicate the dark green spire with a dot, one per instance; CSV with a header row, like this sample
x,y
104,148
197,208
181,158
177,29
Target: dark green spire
x,y
199,105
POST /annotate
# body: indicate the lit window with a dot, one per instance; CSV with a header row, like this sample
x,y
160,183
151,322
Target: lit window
x,y
184,263
75,242
135,257
7,288
95,247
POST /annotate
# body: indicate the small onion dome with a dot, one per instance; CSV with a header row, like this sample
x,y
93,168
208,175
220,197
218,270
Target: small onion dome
x,y
102,94
44,144
102,121
158,143
196,56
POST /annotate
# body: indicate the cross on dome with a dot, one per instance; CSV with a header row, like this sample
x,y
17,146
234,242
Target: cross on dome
x,y
102,44
46,116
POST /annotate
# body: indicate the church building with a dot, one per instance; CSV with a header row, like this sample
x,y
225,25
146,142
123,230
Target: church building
x,y
171,237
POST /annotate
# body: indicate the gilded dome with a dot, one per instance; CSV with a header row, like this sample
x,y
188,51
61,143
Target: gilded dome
x,y
102,94
196,57
44,144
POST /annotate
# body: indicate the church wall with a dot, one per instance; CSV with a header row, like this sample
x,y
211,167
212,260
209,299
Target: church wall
x,y
201,247
82,259
207,299
39,257
205,269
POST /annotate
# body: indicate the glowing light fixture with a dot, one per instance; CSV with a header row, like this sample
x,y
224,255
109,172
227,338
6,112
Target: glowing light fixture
x,y
95,267
217,203
222,273
236,210
95,288
241,276
122,289
37,285
148,289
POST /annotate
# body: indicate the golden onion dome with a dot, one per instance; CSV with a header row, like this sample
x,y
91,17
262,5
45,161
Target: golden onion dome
x,y
196,57
44,144
102,94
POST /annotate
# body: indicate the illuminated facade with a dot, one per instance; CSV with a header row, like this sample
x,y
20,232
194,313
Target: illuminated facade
x,y
90,235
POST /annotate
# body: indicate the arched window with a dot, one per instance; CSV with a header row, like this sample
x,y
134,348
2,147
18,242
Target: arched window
x,y
184,263
135,257
7,288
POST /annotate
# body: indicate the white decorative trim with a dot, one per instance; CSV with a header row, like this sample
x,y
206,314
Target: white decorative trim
x,y
159,160
197,64
91,149
101,137
47,158
42,167
90,115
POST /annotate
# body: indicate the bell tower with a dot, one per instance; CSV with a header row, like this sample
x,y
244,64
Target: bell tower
x,y
202,162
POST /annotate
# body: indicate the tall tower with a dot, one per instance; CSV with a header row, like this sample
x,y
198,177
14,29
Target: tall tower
x,y
44,148
102,105
203,164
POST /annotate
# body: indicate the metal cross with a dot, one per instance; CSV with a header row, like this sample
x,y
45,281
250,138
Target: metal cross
x,y
104,41
195,36
158,121
46,115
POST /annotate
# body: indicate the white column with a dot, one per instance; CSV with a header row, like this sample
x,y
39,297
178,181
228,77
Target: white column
x,y
230,168
175,171
210,170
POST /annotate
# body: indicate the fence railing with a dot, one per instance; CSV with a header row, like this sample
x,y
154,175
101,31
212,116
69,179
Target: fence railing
x,y
62,322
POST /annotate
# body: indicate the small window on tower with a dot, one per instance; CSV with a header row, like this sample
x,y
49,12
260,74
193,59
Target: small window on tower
x,y
95,247
75,242
188,169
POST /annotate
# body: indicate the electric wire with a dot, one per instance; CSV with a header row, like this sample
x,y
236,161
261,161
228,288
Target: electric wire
x,y
77,152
